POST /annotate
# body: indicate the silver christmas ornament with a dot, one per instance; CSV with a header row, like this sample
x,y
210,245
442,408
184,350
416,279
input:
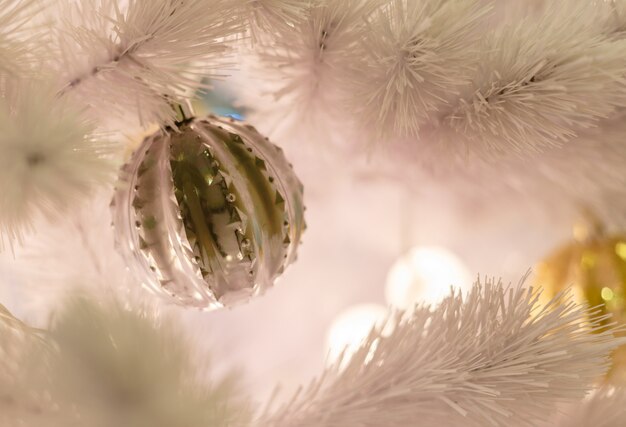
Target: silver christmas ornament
x,y
209,214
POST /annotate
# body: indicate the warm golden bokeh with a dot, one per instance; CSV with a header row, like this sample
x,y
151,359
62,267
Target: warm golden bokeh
x,y
594,266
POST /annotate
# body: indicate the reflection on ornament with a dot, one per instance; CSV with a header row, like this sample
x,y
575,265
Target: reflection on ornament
x,y
221,100
425,274
351,328
209,214
594,265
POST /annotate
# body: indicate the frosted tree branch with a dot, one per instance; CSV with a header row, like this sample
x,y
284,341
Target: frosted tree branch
x,y
264,17
49,157
487,359
541,81
145,56
449,82
416,56
20,38
102,364
605,407
302,68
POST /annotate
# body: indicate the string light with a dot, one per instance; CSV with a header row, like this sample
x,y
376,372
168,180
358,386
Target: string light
x,y
425,274
351,327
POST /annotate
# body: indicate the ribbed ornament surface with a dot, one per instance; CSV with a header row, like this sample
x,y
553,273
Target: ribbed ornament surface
x,y
208,215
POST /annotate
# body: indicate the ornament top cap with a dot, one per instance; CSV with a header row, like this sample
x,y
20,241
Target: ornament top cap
x,y
184,112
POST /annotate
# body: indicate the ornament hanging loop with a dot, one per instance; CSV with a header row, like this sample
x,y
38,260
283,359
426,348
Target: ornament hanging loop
x,y
184,112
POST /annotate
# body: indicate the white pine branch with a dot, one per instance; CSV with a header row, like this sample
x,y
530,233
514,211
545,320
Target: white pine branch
x,y
416,56
266,16
541,81
146,56
304,66
49,158
102,272
605,407
20,39
19,403
103,365
490,359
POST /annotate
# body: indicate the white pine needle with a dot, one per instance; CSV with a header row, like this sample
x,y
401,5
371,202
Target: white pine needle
x,y
144,57
103,365
265,16
48,158
417,55
541,82
605,407
102,272
20,40
304,66
491,359
20,404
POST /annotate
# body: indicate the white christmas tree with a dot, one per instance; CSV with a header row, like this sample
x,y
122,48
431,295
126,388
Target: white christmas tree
x,y
475,95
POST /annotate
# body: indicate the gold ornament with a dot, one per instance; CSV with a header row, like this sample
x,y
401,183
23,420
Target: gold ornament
x,y
594,265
